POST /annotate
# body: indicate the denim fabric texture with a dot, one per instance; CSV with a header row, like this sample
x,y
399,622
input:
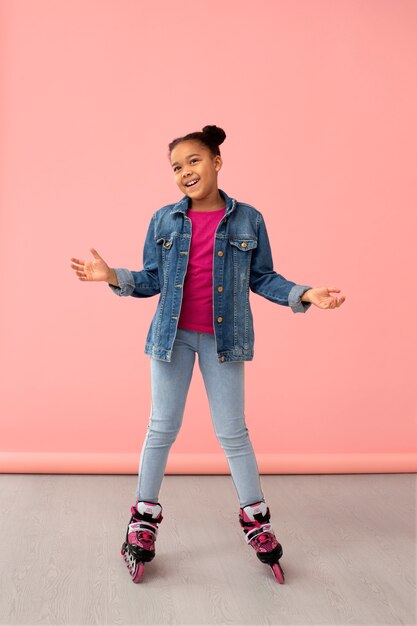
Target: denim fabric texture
x,y
224,383
242,261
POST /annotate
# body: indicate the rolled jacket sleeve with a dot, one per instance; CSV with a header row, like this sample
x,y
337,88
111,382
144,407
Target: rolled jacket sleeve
x,y
294,299
143,283
125,280
269,284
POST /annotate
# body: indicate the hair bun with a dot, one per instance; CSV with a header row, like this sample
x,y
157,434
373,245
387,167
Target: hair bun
x,y
216,133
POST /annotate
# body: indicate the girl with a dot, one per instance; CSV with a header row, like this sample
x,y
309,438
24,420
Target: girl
x,y
202,255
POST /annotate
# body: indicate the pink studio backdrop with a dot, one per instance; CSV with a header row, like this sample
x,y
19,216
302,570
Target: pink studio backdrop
x,y
318,101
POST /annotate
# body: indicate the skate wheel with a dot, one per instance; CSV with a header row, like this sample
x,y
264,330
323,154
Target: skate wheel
x,y
278,573
138,572
135,567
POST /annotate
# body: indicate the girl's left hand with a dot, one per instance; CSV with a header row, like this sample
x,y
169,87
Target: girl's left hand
x,y
321,297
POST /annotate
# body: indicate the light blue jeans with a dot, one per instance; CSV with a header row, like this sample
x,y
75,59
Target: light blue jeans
x,y
224,384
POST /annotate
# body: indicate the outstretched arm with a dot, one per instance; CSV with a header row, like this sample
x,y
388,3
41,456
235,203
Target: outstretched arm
x,y
267,283
139,284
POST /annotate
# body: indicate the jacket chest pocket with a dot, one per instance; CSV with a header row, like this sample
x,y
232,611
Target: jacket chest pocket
x,y
242,255
244,245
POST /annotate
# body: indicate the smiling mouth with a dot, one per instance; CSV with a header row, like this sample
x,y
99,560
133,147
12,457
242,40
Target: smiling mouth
x,y
192,184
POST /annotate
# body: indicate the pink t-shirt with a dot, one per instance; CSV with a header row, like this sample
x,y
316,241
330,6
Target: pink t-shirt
x,y
197,300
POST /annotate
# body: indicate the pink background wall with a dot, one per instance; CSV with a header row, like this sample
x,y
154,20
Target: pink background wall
x,y
318,100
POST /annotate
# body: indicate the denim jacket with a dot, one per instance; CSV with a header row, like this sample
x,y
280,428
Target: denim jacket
x,y
242,261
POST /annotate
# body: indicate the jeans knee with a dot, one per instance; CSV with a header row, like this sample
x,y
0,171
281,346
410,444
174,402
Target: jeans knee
x,y
234,440
161,436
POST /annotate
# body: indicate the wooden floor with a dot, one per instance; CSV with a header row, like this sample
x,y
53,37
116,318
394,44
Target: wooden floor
x,y
349,552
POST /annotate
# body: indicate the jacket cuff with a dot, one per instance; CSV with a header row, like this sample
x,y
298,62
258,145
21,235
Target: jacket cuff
x,y
125,280
294,299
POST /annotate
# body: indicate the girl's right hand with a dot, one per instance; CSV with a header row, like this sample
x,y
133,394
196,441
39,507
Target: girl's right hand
x,y
97,269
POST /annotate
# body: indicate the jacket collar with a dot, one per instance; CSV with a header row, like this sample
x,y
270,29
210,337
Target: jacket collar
x,y
184,204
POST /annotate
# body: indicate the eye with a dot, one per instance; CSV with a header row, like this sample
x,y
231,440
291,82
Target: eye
x,y
175,168
193,160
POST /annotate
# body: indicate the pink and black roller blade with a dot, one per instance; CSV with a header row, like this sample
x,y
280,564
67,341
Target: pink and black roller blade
x,y
139,546
259,533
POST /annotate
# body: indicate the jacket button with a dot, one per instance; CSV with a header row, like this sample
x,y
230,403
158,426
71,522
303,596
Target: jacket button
x,y
219,288
220,253
244,244
167,244
222,359
220,319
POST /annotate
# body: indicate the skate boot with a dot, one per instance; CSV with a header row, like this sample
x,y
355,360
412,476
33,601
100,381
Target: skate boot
x,y
254,520
139,547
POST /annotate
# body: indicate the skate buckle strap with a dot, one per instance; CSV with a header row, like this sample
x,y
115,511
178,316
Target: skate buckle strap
x,y
265,528
138,526
148,508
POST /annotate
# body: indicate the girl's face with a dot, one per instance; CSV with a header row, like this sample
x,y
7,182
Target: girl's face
x,y
192,161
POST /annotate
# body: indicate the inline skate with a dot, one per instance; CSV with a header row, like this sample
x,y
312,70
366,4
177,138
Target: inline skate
x,y
254,519
139,546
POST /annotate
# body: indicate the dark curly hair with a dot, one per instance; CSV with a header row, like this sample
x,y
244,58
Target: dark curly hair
x,y
210,136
